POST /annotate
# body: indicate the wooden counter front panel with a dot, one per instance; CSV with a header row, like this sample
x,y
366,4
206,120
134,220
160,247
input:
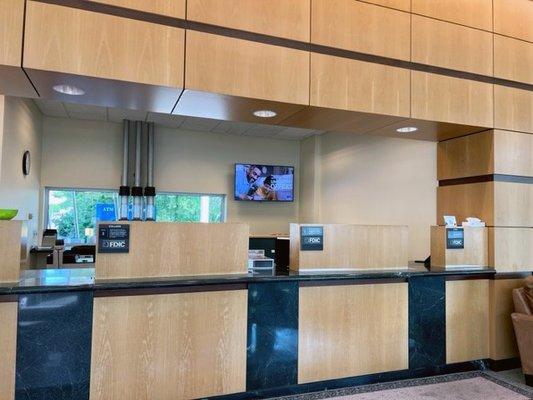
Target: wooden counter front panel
x,y
362,27
513,59
473,13
10,244
513,109
502,338
169,346
475,251
8,349
177,249
446,99
359,86
513,18
242,68
510,249
282,18
467,320
171,8
451,46
11,25
351,330
353,247
79,42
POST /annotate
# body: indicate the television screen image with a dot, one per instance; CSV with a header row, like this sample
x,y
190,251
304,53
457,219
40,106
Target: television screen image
x,y
256,182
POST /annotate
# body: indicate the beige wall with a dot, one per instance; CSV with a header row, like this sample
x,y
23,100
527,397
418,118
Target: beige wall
x,y
88,154
344,177
376,180
310,179
22,130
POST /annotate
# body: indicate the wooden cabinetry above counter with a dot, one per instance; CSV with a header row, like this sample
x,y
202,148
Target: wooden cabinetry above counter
x,y
225,59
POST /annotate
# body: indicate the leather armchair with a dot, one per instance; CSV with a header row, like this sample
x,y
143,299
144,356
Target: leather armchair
x,y
523,326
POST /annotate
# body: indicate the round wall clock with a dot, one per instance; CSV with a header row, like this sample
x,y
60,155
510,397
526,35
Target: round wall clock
x,y
26,163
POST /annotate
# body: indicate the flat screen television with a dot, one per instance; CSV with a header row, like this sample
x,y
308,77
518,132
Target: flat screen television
x,y
257,182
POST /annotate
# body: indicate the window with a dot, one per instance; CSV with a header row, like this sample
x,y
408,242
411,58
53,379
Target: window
x,y
75,212
186,207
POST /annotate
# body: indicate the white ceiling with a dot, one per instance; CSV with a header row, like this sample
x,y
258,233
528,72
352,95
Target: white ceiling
x,y
96,113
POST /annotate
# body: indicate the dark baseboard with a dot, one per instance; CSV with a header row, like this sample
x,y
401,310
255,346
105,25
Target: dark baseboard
x,y
529,380
476,365
502,365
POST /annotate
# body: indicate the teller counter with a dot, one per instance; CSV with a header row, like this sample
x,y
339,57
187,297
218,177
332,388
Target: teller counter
x,y
240,335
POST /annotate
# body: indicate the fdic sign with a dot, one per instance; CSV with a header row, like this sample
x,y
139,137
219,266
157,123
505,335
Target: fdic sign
x,y
113,238
311,238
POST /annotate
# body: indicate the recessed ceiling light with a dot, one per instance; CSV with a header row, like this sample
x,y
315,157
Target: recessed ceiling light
x,y
265,113
407,129
69,89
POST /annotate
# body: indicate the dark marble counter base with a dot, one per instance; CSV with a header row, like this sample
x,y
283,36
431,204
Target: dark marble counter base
x,y
54,346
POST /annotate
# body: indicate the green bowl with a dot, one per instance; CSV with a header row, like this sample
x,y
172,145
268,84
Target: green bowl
x,y
7,214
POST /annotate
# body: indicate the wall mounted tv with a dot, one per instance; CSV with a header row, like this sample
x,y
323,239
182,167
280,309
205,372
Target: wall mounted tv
x,y
257,182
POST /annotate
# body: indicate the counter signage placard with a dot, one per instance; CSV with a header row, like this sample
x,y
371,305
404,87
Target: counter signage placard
x,y
311,238
113,238
455,238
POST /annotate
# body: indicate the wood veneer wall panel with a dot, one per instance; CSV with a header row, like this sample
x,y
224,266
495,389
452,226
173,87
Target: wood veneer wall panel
x,y
469,200
451,46
359,86
470,155
172,346
8,349
513,59
11,25
338,335
513,18
404,5
474,13
171,8
502,338
513,153
446,99
358,26
488,152
282,18
242,68
496,203
74,41
510,249
467,320
513,204
354,247
513,109
177,249
10,244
